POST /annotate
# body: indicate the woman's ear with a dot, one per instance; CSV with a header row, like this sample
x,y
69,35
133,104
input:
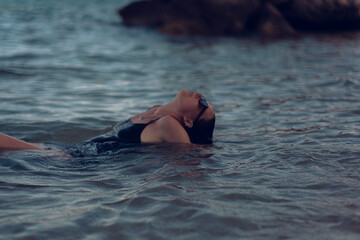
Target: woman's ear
x,y
188,122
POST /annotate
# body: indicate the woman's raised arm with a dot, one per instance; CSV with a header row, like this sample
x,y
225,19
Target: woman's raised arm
x,y
8,143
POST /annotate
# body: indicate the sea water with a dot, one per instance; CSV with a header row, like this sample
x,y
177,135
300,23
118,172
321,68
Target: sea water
x,y
286,155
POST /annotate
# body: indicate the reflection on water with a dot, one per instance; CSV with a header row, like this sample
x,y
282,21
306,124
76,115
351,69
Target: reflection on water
x,y
285,159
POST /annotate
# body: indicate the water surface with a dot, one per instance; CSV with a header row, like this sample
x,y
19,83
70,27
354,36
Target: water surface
x,y
284,164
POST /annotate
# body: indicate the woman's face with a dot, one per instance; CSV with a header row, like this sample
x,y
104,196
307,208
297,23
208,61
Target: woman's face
x,y
189,104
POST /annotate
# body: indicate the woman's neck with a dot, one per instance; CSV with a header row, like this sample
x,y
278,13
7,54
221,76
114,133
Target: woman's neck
x,y
169,109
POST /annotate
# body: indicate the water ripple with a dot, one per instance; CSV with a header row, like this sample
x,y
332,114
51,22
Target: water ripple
x,y
286,149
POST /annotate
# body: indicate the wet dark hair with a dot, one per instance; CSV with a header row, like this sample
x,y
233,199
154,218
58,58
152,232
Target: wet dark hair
x,y
202,131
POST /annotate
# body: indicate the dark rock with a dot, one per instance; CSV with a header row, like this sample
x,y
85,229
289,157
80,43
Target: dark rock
x,y
269,22
195,17
327,15
270,18
142,13
229,17
183,18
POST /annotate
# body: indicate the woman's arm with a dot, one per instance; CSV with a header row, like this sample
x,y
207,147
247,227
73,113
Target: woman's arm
x,y
8,143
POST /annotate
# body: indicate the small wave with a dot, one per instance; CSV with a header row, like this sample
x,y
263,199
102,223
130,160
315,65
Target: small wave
x,y
305,129
7,186
249,197
348,83
11,72
324,186
22,56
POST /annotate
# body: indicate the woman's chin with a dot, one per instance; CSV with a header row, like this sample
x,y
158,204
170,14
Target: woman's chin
x,y
182,92
186,93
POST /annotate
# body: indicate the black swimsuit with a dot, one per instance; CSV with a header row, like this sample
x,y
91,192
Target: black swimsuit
x,y
121,133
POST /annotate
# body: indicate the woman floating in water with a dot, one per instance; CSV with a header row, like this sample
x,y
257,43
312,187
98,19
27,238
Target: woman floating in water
x,y
188,118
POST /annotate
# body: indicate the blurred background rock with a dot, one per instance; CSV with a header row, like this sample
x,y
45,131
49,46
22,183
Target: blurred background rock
x,y
269,18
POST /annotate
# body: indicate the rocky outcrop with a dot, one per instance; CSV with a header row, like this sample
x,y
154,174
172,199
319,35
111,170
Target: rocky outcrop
x,y
269,22
326,15
207,17
270,18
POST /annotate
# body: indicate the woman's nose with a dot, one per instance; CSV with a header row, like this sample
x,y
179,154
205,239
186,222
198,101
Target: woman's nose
x,y
198,95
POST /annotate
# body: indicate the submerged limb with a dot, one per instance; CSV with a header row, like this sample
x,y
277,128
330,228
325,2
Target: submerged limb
x,y
8,143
